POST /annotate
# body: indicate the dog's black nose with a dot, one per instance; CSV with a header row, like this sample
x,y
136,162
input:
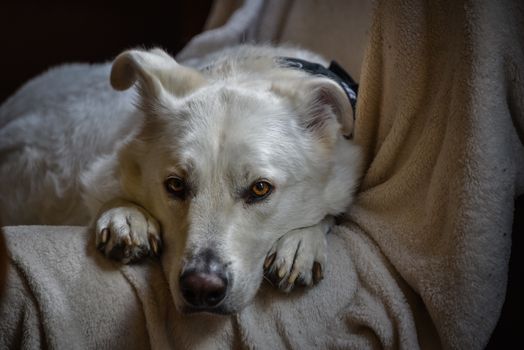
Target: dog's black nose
x,y
203,290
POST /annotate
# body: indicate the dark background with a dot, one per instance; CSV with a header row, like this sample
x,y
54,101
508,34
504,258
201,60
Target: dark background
x,y
36,35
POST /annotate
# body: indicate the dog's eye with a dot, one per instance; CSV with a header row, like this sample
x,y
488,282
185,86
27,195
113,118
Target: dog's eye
x,y
259,190
175,186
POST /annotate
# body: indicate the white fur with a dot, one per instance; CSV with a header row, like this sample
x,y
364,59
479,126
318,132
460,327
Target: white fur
x,y
239,119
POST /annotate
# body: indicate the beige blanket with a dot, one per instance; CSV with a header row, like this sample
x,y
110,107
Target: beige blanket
x,y
439,118
422,258
63,294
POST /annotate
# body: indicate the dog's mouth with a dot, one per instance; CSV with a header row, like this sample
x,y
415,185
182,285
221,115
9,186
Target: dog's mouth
x,y
221,310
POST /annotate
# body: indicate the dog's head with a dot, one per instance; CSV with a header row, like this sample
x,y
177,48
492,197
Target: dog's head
x,y
228,164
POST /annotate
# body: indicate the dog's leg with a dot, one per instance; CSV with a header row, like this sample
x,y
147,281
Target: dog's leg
x,y
298,257
126,232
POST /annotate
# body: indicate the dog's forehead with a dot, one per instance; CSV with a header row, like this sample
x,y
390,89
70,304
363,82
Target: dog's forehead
x,y
239,130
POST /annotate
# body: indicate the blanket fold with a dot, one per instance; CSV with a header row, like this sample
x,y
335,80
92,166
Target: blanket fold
x,y
61,295
443,156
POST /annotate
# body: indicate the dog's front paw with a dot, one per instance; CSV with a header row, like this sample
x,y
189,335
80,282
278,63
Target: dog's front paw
x,y
297,258
127,234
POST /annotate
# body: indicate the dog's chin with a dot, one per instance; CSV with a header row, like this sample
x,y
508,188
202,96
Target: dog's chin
x,y
223,309
220,311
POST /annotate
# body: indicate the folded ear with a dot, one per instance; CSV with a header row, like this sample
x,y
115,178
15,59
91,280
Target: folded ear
x,y
323,105
155,71
327,101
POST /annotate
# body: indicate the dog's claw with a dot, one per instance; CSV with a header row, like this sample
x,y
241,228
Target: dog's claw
x,y
282,271
128,241
127,254
317,272
269,260
104,236
154,245
293,277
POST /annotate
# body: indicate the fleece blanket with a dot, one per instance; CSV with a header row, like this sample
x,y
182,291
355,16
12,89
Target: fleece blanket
x,y
61,293
420,260
440,118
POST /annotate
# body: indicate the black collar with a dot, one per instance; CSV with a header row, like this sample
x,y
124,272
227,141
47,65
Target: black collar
x,y
334,72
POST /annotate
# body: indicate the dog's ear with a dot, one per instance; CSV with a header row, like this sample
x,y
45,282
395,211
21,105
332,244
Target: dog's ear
x,y
322,104
325,103
155,72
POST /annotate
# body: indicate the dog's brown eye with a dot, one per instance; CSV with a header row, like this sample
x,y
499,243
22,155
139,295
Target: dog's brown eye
x,y
260,189
175,186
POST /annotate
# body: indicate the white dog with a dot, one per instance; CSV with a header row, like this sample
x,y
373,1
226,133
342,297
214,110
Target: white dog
x,y
235,168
